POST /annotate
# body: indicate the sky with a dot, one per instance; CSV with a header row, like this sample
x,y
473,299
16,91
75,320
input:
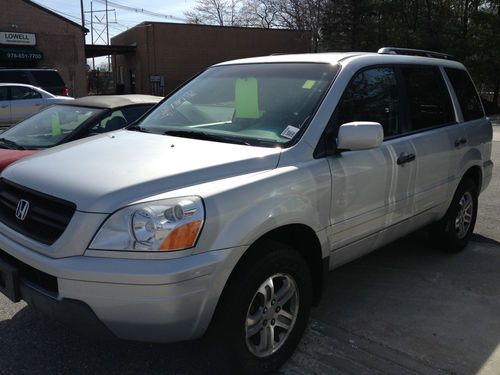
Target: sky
x,y
124,18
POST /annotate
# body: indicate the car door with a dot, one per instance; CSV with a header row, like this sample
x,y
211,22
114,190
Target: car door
x,y
435,136
24,102
5,118
371,189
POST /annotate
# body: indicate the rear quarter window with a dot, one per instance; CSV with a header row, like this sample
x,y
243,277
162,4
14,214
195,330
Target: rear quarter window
x,y
466,94
47,78
429,103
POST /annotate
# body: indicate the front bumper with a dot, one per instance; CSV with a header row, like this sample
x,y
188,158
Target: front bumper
x,y
134,299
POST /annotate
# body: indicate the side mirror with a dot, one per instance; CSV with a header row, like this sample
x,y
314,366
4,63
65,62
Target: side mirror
x,y
360,135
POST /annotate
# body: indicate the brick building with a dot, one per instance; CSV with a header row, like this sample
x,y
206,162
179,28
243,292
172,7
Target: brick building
x,y
167,54
32,36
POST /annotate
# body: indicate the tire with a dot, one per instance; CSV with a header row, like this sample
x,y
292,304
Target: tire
x,y
248,308
454,230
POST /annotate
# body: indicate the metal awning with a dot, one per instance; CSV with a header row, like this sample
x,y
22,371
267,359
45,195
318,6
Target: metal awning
x,y
20,54
96,50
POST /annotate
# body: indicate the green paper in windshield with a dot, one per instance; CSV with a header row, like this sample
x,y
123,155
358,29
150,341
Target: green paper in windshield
x,y
246,98
56,124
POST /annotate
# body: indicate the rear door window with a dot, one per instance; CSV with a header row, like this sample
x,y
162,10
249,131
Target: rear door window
x,y
429,102
466,94
47,78
372,95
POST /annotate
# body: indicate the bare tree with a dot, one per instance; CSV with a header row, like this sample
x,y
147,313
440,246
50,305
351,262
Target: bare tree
x,y
215,12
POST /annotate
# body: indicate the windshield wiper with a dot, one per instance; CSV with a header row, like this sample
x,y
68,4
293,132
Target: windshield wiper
x,y
11,144
138,128
205,136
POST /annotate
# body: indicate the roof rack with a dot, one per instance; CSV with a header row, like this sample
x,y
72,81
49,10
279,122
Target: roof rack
x,y
414,52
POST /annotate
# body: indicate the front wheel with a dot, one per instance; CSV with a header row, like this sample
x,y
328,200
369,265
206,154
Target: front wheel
x,y
264,309
455,229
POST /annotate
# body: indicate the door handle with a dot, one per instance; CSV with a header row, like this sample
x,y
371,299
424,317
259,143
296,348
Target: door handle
x,y
460,142
4,106
405,158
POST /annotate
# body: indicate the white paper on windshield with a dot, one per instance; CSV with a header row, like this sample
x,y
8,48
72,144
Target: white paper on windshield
x,y
290,132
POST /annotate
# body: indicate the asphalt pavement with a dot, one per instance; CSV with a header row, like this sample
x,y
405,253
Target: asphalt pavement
x,y
405,309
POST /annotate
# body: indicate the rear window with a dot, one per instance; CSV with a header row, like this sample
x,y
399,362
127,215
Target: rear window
x,y
466,94
47,78
429,102
14,76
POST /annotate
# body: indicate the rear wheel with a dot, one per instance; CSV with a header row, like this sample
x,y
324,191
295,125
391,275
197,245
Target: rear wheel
x,y
264,309
453,232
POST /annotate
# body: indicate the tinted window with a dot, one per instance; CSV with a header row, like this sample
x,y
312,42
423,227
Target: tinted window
x,y
14,76
429,102
4,93
466,94
133,113
21,93
372,96
47,78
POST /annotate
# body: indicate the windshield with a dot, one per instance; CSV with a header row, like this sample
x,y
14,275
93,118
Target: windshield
x,y
259,104
48,127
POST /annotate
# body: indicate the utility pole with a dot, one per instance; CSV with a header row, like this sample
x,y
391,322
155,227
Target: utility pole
x,y
107,36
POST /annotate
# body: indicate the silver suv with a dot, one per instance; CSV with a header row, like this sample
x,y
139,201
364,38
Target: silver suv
x,y
221,211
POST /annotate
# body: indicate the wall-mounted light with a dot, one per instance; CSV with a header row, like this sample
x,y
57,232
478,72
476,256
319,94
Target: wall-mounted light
x,y
14,26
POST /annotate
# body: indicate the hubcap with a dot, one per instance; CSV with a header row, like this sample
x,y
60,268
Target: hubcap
x,y
271,315
464,215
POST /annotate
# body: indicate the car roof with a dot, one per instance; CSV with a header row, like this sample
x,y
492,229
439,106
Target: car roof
x,y
114,101
368,58
21,84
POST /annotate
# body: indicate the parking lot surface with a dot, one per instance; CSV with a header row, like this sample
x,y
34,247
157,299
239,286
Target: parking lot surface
x,y
405,309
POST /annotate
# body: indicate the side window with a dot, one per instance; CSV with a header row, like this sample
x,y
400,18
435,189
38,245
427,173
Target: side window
x,y
429,102
21,93
132,113
466,94
372,95
14,76
4,93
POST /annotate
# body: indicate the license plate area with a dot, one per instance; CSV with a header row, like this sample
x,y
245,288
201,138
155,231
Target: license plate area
x,y
9,281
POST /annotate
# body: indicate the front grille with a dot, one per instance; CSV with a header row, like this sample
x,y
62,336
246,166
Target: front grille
x,y
46,219
41,279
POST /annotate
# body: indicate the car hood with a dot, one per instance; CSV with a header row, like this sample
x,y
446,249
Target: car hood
x,y
103,173
10,156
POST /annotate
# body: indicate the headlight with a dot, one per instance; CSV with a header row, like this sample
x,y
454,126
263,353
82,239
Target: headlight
x,y
165,225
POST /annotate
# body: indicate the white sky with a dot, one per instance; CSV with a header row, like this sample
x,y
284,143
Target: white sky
x,y
124,18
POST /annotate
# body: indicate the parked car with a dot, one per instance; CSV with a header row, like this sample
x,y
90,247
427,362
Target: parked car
x,y
48,79
19,101
69,121
220,211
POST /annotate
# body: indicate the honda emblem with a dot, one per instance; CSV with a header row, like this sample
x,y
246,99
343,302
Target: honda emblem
x,y
22,209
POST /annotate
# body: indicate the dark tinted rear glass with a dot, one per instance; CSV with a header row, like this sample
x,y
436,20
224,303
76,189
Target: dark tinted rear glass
x,y
4,93
14,76
466,94
429,102
133,113
47,78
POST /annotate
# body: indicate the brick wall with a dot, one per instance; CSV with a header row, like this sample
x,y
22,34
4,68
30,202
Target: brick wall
x,y
178,51
62,43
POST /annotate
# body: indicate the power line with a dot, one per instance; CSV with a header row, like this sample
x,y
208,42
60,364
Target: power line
x,y
140,10
62,13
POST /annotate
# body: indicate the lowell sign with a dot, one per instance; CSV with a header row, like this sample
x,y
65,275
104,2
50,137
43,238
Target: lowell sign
x,y
24,39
